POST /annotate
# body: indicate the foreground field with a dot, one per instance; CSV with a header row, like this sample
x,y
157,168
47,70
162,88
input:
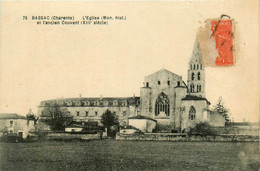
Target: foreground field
x,y
129,155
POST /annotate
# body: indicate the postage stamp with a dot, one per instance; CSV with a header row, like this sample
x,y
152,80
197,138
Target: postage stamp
x,y
217,42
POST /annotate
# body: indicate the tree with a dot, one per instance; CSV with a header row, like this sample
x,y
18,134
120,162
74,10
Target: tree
x,y
31,116
221,109
56,117
109,119
203,129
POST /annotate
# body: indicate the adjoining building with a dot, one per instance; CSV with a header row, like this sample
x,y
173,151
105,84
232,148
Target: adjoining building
x,y
164,97
15,125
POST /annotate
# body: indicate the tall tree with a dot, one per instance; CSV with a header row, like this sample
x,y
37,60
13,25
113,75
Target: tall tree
x,y
56,117
220,108
109,119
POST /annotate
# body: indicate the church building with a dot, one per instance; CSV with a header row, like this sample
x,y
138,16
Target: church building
x,y
164,97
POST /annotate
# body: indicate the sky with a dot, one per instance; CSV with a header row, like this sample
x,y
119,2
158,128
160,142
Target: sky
x,y
41,62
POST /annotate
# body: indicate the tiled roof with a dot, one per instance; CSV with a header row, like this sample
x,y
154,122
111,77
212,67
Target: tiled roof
x,y
189,97
92,100
141,117
166,71
11,116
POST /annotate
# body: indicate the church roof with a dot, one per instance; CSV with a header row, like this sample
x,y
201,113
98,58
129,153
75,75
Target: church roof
x,y
164,71
11,116
189,97
141,117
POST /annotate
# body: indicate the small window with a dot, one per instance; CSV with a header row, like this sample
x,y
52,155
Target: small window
x,y
147,84
192,113
86,113
77,113
190,66
194,67
125,103
198,88
168,82
11,122
192,76
178,83
199,76
115,102
96,113
200,66
159,82
197,66
191,88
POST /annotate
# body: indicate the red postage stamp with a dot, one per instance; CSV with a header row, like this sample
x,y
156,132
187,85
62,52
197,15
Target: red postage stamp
x,y
222,32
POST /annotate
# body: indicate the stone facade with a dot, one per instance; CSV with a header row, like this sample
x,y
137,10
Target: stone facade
x,y
14,124
164,97
91,109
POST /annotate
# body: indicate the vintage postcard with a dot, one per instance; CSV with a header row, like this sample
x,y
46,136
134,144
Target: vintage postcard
x,y
129,85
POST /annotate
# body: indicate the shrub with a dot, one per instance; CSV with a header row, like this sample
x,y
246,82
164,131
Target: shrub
x,y
203,129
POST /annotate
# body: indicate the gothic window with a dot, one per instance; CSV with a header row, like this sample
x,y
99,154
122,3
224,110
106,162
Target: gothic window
x,y
192,76
198,88
178,83
168,82
194,67
199,76
192,113
159,82
147,84
191,88
190,66
162,104
197,66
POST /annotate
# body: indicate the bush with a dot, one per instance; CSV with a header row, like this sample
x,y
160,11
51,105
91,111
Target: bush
x,y
203,129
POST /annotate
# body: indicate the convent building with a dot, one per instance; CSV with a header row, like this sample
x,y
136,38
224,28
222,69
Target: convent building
x,y
173,103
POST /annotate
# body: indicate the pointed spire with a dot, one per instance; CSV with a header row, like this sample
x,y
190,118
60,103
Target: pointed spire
x,y
196,53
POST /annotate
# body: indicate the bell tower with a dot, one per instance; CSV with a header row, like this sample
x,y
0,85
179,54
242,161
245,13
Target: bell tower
x,y
196,72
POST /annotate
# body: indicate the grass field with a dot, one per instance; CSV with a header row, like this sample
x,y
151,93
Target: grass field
x,y
129,155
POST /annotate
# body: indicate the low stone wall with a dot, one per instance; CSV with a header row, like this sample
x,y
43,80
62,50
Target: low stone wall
x,y
186,137
68,136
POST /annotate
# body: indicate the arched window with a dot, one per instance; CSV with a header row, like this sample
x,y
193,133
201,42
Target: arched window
x,y
192,113
199,76
192,76
115,103
194,67
198,88
190,66
197,66
192,88
162,104
200,66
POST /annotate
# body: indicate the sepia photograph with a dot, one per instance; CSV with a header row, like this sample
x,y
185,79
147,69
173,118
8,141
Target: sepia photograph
x,y
129,85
